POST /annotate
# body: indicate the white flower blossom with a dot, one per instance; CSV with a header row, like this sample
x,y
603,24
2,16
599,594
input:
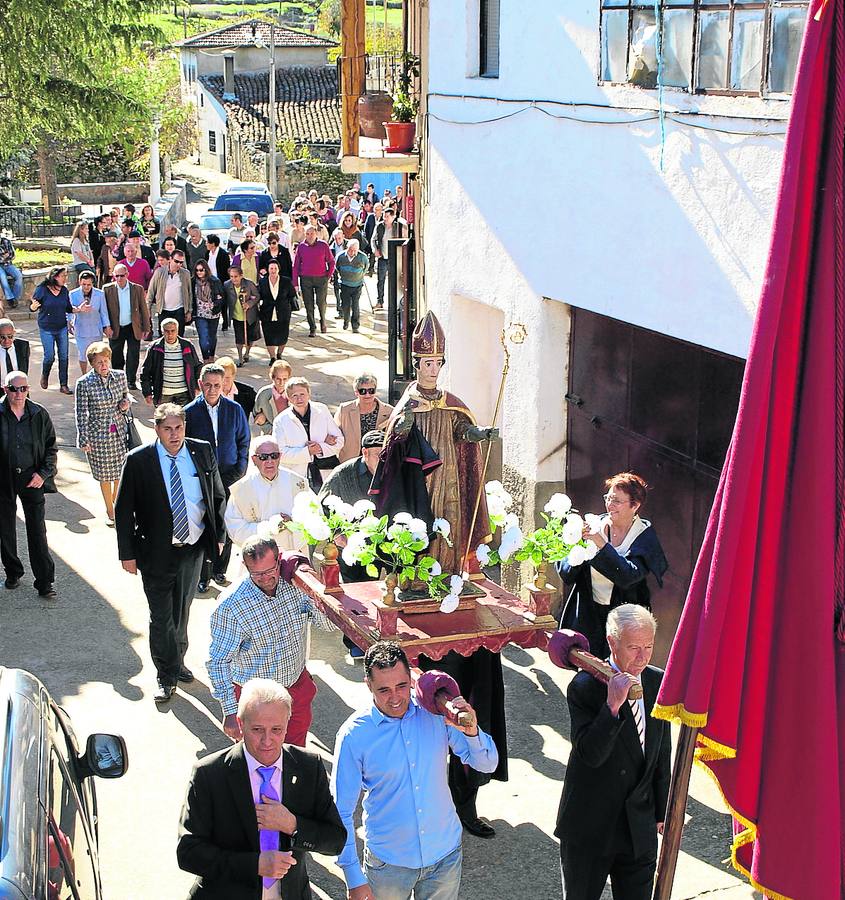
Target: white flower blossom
x,y
436,569
368,524
332,502
304,502
361,507
450,603
276,524
572,529
402,518
577,555
511,521
496,509
512,540
395,530
317,528
419,530
456,584
482,554
591,550
345,511
355,546
441,526
593,521
558,506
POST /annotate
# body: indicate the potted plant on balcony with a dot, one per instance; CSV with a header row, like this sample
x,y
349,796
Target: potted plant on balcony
x,y
402,127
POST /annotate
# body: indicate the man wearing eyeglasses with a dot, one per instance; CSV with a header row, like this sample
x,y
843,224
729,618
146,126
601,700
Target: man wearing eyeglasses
x,y
129,317
357,417
28,456
170,290
260,630
14,352
267,490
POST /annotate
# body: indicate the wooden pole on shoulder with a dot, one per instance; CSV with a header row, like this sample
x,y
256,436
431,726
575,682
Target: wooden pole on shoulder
x,y
673,824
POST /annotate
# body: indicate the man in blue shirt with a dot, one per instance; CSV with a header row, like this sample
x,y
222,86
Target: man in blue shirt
x,y
398,751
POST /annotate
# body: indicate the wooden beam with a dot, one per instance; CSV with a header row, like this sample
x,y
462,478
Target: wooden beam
x,y
352,164
352,71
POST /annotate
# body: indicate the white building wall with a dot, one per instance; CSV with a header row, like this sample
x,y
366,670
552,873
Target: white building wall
x,y
210,117
257,59
538,205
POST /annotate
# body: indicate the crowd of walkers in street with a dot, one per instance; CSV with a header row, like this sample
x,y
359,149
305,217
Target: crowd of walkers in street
x,y
222,474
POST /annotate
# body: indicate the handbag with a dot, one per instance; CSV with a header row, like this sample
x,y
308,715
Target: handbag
x,y
133,439
294,303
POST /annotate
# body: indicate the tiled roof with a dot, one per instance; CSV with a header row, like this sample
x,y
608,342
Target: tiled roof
x,y
307,105
241,35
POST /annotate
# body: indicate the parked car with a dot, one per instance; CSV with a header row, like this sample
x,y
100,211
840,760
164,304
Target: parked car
x,y
218,223
48,805
251,201
247,187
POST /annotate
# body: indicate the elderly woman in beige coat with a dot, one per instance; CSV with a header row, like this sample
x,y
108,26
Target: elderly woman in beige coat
x,y
357,417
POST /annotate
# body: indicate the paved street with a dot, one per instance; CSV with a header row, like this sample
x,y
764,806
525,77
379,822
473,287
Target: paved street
x,y
90,649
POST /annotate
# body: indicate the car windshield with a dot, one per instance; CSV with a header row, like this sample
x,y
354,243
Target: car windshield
x,y
260,203
210,223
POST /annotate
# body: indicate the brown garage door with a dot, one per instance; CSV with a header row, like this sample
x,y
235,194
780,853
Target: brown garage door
x,y
663,408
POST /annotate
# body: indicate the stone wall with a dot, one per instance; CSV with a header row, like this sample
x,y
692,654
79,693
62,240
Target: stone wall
x,y
304,174
94,193
172,208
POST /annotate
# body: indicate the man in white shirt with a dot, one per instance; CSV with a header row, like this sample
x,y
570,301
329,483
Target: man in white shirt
x,y
267,490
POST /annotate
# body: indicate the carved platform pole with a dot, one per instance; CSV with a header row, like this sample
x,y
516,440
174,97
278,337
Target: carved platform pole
x,y
329,569
540,595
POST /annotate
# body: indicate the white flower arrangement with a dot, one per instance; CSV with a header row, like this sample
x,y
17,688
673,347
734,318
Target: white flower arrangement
x,y
560,538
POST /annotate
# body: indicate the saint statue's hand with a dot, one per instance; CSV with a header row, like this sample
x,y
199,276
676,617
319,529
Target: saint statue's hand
x,y
404,425
476,434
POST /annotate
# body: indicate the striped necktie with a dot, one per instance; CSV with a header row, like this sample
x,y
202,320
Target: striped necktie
x,y
181,529
267,839
638,721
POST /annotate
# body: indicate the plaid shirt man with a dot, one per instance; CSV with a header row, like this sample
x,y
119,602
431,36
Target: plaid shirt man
x,y
256,636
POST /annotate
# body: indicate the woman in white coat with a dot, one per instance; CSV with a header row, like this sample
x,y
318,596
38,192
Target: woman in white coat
x,y
306,433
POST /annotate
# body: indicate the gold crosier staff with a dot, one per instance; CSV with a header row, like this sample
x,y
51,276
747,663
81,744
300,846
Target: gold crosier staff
x,y
515,333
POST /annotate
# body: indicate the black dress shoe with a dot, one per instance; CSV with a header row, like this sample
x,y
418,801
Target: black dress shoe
x,y
202,587
48,593
479,828
221,579
12,583
164,692
186,676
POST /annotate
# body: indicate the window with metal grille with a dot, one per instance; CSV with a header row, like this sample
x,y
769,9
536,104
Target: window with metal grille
x,y
747,47
488,39
212,141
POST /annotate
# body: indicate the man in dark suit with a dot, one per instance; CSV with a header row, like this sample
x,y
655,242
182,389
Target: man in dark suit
x,y
253,810
14,352
129,317
222,422
168,517
617,779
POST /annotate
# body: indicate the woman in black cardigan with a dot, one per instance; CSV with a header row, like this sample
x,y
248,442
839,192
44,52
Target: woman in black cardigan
x,y
276,296
628,550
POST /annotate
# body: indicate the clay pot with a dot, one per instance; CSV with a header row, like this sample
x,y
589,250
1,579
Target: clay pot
x,y
373,109
400,136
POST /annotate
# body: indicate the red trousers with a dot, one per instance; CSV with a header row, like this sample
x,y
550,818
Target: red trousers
x,y
302,692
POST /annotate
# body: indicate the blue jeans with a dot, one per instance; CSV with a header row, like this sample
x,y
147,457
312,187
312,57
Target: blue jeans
x,y
442,881
207,333
11,280
52,342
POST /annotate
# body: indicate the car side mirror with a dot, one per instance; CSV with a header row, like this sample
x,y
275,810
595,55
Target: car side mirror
x,y
105,756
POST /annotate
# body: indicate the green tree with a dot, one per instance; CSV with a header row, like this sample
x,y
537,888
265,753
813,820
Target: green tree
x,y
328,20
72,69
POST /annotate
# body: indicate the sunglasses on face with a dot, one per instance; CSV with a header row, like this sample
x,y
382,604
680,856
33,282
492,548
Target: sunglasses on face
x,y
364,391
17,390
7,337
265,456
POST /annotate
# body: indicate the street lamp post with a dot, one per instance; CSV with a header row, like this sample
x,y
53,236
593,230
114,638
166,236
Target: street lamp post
x,y
155,163
272,179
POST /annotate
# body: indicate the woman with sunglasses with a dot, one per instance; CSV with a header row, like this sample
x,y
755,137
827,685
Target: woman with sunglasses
x,y
628,550
357,417
209,299
276,251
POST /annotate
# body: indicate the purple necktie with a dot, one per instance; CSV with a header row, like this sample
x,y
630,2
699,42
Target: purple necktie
x,y
267,839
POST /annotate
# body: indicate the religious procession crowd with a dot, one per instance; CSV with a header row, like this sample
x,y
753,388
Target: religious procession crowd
x,y
206,484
